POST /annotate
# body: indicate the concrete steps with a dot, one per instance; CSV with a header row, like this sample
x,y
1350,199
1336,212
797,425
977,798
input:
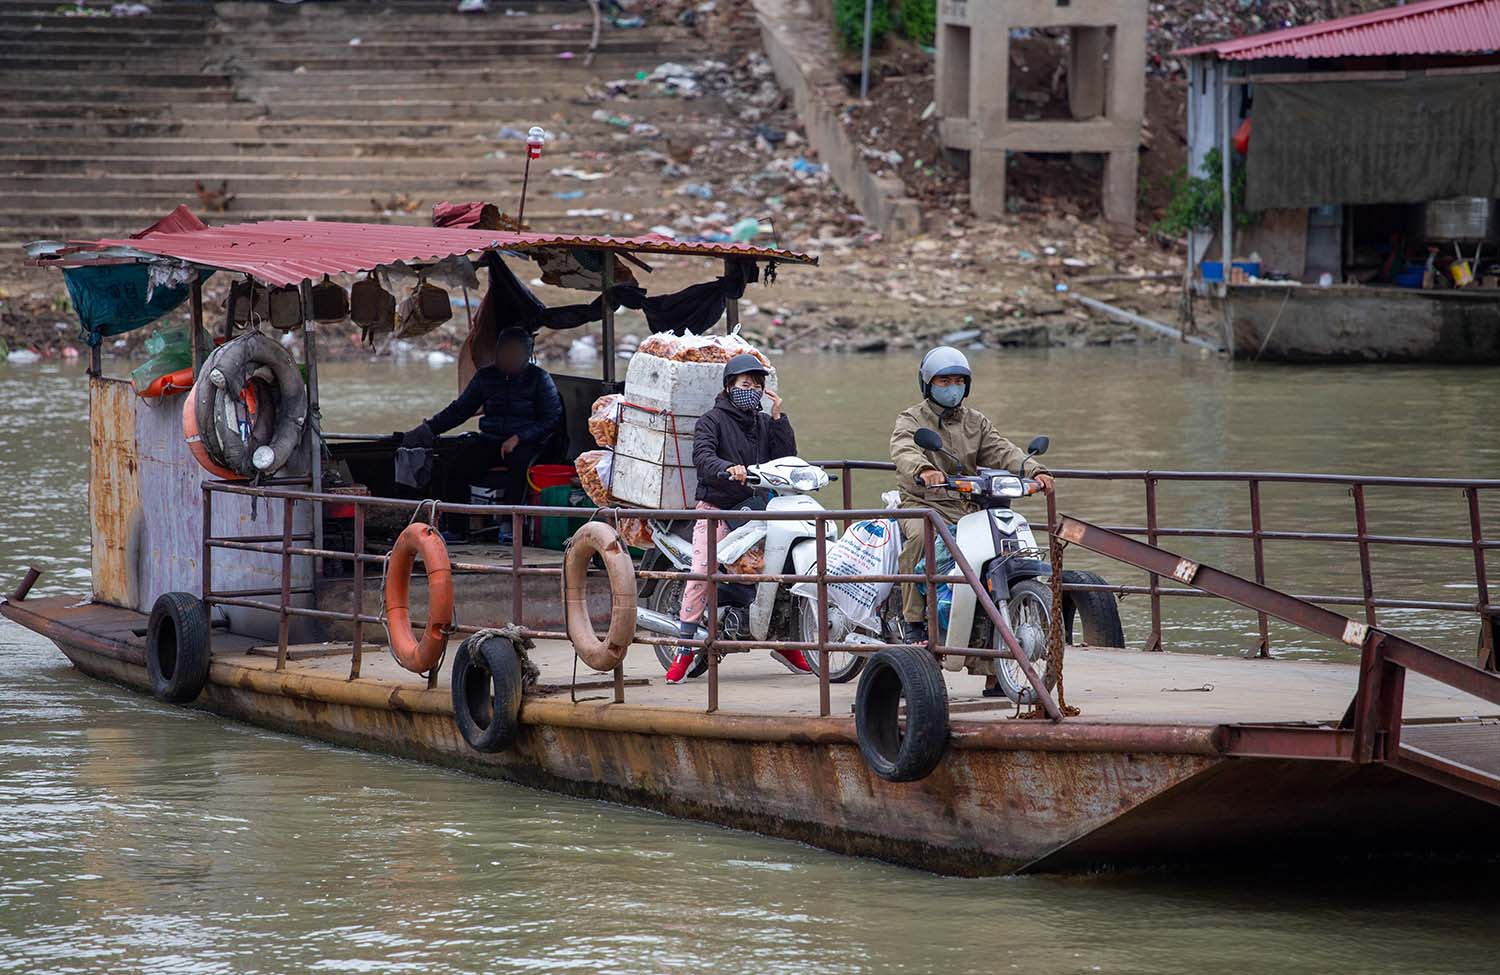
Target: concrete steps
x,y
113,120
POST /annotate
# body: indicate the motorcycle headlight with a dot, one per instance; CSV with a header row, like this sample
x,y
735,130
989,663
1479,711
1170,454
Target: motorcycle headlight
x,y
805,479
1006,486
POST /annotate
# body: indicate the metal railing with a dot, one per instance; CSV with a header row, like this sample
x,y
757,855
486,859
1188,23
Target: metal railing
x,y
934,529
1487,613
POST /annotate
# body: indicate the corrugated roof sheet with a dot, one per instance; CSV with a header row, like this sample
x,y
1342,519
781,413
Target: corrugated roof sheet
x,y
281,252
1432,27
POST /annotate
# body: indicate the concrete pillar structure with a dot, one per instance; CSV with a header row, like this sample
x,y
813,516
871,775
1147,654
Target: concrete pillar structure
x,y
1106,91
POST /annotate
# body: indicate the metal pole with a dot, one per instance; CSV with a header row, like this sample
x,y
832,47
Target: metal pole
x,y
864,70
1362,529
359,591
1259,545
314,426
608,352
283,631
1488,625
712,623
199,350
1226,225
819,525
525,179
935,636
1153,643
731,305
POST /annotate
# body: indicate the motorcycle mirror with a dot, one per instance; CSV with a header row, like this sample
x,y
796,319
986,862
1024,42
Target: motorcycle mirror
x,y
928,439
1038,446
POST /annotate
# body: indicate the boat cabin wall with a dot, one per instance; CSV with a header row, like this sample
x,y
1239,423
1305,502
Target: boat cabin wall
x,y
146,512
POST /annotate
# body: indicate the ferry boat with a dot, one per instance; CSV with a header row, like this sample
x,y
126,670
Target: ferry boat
x,y
268,599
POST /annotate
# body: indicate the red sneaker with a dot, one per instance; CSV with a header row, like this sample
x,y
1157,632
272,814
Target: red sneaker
x,y
677,673
792,660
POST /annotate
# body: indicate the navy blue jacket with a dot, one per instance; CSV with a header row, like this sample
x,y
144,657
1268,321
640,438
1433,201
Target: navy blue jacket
x,y
525,405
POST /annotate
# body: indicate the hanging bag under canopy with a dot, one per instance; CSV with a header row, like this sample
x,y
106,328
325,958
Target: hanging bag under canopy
x,y
330,302
421,311
283,308
372,308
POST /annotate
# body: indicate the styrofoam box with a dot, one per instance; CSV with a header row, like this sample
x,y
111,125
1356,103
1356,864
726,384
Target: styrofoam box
x,y
653,465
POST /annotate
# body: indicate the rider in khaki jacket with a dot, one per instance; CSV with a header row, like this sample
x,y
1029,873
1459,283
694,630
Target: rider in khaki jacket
x,y
969,435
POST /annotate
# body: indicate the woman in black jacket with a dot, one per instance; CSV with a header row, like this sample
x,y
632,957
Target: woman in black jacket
x,y
728,439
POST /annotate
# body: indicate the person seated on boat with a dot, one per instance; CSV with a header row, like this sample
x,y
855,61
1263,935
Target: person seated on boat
x,y
521,413
946,381
734,434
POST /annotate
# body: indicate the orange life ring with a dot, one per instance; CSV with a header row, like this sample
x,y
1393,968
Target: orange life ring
x,y
597,538
195,443
165,385
422,539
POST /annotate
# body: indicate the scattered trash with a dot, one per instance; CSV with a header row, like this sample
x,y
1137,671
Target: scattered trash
x,y
962,335
129,10
473,6
567,55
355,41
569,195
745,230
23,357
584,175
701,191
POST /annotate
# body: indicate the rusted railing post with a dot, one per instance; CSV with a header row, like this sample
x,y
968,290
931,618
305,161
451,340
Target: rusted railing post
x,y
1362,534
712,623
1153,642
356,655
1259,545
1489,653
929,549
848,488
208,548
283,630
819,525
515,569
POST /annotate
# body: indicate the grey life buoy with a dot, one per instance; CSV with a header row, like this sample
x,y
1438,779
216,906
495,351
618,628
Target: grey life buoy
x,y
891,675
487,682
250,404
177,648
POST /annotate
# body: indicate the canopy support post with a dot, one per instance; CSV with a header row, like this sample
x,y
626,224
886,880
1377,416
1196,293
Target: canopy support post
x,y
1226,226
200,351
731,305
314,432
608,351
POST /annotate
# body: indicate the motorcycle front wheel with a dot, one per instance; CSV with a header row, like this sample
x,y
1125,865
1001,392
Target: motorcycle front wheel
x,y
1030,607
843,667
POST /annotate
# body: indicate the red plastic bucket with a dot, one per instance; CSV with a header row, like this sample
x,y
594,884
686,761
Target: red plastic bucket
x,y
542,476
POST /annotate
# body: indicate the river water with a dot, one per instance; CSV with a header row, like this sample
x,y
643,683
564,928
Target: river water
x,y
139,837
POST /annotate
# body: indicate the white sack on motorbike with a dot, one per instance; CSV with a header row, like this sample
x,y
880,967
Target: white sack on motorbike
x,y
868,548
740,541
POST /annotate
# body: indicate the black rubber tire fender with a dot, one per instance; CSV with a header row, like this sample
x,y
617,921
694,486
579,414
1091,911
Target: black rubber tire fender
x,y
891,675
487,686
177,647
1098,612
237,363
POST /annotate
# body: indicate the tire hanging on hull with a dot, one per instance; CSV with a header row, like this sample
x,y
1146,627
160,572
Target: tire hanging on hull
x,y
248,409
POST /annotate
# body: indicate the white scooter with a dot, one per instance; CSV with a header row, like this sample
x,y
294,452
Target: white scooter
x,y
767,610
998,543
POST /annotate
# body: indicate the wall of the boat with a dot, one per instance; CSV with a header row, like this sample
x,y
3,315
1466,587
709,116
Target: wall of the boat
x,y
146,512
114,501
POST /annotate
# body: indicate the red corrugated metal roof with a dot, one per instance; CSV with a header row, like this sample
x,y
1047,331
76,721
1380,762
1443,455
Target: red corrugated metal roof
x,y
1432,27
281,252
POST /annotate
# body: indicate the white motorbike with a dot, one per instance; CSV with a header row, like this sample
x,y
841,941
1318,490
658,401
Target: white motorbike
x,y
763,611
998,543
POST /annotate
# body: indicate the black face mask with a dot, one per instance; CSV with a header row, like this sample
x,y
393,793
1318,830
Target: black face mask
x,y
746,398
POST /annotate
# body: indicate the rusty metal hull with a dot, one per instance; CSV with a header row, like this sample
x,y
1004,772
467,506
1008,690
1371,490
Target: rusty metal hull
x,y
1008,797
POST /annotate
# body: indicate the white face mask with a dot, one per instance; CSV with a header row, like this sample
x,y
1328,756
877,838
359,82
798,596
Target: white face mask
x,y
948,396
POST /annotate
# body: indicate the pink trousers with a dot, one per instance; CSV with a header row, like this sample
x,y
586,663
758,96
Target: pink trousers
x,y
695,594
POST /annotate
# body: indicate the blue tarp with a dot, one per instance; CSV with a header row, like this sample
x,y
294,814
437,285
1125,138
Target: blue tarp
x,y
111,299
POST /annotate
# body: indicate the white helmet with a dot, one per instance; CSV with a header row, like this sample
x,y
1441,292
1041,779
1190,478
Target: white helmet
x,y
944,361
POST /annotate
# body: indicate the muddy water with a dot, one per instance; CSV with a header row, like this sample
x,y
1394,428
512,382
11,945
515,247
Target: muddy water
x,y
136,837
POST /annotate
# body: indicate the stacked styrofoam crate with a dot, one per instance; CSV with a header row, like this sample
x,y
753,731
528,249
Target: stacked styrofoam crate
x,y
664,398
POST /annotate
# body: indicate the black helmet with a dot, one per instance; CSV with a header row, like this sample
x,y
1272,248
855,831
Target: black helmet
x,y
744,364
